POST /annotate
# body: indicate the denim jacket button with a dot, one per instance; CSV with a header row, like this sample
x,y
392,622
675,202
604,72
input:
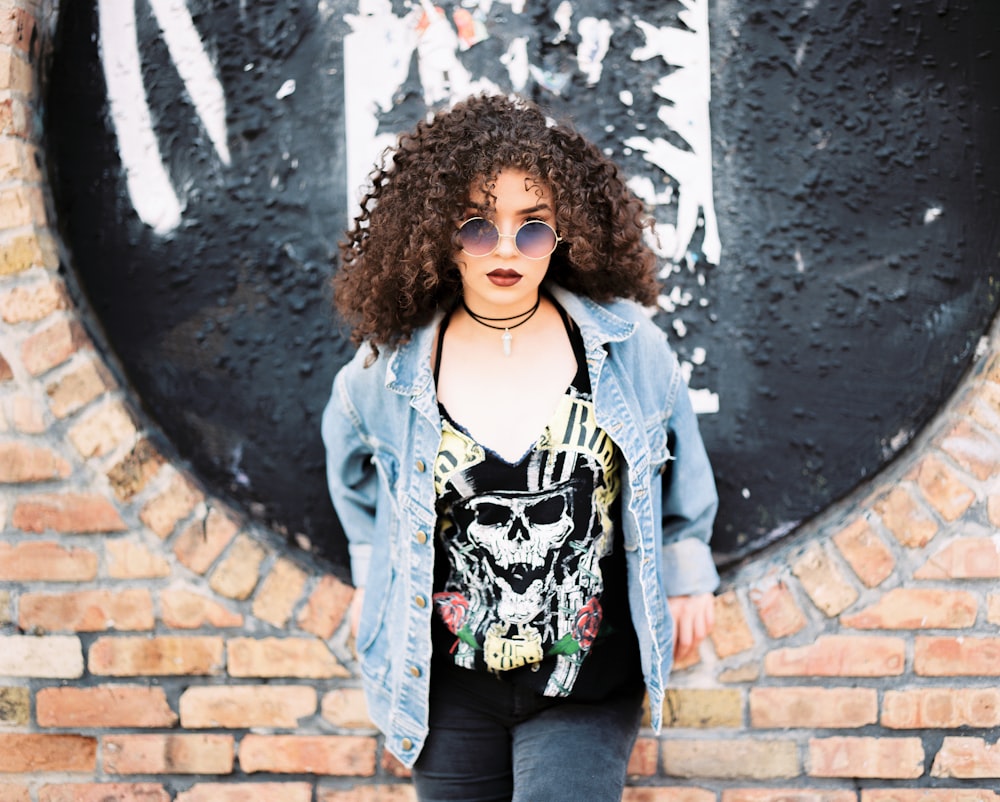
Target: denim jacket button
x,y
407,744
415,671
420,600
421,467
420,537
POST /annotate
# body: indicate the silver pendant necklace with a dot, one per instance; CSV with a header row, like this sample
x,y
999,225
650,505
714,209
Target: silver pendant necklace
x,y
506,339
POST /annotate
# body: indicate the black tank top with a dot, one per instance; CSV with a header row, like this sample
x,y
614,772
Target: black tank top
x,y
530,577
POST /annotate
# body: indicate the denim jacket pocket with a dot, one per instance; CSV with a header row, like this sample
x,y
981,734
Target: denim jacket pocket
x,y
372,643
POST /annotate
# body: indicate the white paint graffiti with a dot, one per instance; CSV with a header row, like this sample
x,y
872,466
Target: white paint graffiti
x,y
153,194
688,90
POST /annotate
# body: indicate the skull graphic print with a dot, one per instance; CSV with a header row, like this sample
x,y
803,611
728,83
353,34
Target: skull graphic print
x,y
525,560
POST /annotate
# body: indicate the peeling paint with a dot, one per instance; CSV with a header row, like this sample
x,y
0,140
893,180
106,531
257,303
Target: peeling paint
x,y
595,36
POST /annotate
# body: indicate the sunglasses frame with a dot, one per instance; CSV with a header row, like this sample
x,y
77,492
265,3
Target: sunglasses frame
x,y
513,236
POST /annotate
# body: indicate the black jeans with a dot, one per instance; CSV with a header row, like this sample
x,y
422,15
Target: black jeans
x,y
493,741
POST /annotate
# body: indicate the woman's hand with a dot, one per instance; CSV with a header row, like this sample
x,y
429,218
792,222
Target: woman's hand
x,y
694,617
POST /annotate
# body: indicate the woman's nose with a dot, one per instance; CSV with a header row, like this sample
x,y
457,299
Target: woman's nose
x,y
506,246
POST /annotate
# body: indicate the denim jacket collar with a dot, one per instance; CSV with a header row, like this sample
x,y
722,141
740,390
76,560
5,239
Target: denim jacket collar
x,y
408,371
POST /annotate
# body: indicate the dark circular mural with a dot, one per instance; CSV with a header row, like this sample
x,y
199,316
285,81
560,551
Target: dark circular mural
x,y
824,181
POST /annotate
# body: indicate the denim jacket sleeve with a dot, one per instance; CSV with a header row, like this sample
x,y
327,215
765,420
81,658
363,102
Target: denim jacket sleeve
x,y
690,501
351,475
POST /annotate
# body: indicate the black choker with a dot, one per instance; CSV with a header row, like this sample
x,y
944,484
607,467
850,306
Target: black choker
x,y
506,338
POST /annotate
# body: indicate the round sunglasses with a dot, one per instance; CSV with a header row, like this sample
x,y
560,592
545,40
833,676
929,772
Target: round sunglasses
x,y
533,239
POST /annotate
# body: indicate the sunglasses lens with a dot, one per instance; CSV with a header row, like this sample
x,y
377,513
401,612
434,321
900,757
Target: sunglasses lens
x,y
535,239
478,236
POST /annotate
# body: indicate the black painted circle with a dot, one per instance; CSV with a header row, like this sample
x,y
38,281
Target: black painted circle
x,y
855,184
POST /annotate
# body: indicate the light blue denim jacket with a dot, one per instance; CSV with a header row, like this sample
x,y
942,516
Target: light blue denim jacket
x,y
382,428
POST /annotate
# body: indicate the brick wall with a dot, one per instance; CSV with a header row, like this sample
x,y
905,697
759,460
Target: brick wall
x,y
156,645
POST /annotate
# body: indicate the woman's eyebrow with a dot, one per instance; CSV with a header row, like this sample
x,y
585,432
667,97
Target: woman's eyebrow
x,y
541,207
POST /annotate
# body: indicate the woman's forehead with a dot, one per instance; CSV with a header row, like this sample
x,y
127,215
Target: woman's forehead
x,y
509,187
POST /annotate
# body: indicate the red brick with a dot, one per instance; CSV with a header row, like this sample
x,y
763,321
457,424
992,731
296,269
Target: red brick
x,y
876,758
703,707
787,795
944,489
964,558
155,656
15,116
128,559
103,792
948,708
246,706
906,518
929,795
777,608
104,706
972,450
17,29
51,656
308,754
346,708
984,407
865,552
279,592
103,429
14,792
956,657
33,302
77,387
283,657
15,707
325,609
917,608
16,160
201,543
248,792
370,793
21,205
86,611
184,609
20,252
67,512
135,470
667,794
27,415
52,346
198,753
163,512
644,758
732,633
30,753
993,608
967,758
239,571
45,562
22,463
813,708
823,580
743,759
840,656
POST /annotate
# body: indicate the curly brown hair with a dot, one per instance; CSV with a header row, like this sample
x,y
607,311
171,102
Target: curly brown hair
x,y
398,262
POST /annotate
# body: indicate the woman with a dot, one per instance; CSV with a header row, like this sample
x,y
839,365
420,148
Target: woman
x,y
515,461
